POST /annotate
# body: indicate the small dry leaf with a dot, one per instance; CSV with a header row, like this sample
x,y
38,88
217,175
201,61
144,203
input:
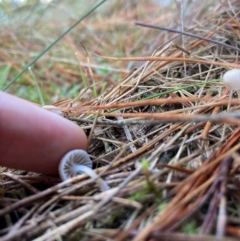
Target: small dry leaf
x,y
98,131
53,109
84,96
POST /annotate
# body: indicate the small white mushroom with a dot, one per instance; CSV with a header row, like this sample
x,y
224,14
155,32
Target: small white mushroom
x,y
53,109
76,162
231,79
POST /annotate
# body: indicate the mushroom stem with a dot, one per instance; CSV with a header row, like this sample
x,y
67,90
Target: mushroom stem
x,y
84,169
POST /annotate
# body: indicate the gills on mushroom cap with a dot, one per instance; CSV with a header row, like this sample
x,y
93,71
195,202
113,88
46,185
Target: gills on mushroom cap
x,y
70,161
76,162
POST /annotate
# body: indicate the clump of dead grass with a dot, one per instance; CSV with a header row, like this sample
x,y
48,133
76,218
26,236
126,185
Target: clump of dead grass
x,y
165,138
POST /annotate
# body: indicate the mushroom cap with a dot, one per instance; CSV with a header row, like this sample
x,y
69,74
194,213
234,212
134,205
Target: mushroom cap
x,y
67,165
231,79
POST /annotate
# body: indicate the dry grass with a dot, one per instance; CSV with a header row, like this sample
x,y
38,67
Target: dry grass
x,y
165,138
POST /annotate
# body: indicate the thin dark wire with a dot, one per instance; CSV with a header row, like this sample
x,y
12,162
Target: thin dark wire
x,y
187,34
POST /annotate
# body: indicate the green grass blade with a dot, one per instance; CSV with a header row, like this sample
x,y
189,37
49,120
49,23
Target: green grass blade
x,y
51,45
4,74
40,95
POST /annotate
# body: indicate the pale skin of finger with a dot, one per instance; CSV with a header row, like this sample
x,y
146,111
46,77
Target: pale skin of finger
x,y
35,139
